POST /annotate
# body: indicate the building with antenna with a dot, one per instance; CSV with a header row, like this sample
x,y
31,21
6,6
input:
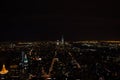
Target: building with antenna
x,y
62,40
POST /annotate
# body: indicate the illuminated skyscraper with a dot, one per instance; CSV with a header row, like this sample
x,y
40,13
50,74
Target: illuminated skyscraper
x,y
3,71
24,61
58,43
62,40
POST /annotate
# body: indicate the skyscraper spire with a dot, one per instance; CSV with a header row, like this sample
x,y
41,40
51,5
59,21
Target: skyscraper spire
x,y
25,59
62,40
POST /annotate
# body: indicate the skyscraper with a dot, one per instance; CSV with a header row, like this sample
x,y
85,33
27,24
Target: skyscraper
x,y
24,61
62,40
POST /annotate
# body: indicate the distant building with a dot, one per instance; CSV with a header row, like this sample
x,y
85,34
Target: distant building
x,y
62,40
14,72
4,70
58,42
3,73
24,61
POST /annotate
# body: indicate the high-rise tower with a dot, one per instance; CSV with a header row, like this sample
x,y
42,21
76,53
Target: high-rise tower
x,y
24,61
3,73
4,70
62,40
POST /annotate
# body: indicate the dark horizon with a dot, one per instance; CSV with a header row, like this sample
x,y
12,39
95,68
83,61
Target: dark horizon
x,y
48,20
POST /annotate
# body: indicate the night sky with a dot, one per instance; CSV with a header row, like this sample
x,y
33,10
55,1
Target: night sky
x,y
48,20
